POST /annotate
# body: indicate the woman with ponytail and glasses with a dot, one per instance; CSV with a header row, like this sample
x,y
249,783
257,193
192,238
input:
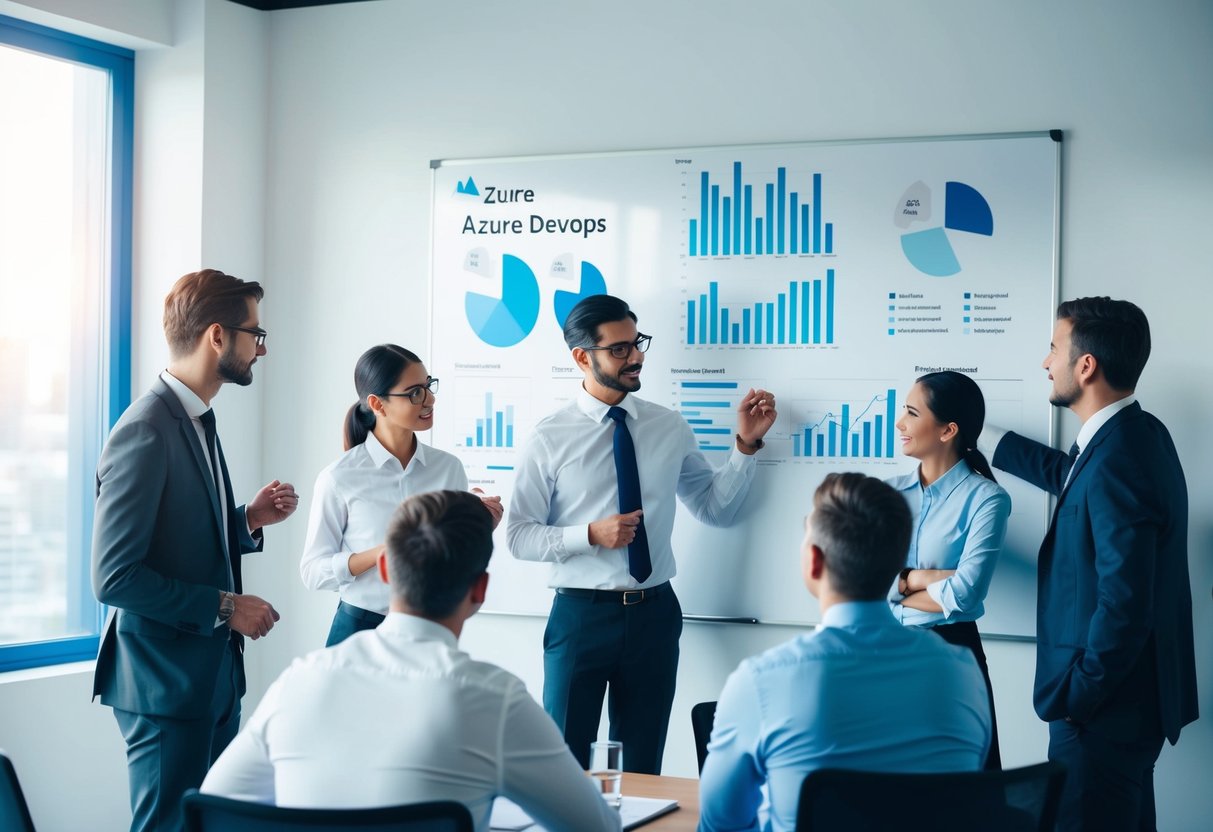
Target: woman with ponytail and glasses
x,y
383,464
960,518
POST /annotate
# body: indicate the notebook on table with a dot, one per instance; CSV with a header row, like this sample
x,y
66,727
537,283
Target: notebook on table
x,y
508,816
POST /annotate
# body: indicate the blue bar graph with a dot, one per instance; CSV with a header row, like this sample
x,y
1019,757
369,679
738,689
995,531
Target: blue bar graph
x,y
495,430
866,435
801,314
789,222
708,408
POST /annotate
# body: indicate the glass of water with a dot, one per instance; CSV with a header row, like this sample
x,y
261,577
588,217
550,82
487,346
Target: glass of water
x,y
606,768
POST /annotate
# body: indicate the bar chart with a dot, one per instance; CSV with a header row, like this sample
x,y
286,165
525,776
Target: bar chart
x,y
864,432
802,314
708,407
784,222
495,429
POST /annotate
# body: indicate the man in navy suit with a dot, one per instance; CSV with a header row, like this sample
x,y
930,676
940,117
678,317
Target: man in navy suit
x,y
1115,666
167,541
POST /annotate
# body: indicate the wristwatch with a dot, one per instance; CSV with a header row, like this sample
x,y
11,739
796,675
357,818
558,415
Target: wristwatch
x,y
227,607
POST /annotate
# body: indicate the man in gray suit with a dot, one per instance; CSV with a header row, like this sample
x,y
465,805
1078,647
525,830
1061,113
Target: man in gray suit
x,y
167,542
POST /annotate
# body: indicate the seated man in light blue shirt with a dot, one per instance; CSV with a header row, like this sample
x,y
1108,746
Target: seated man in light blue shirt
x,y
862,692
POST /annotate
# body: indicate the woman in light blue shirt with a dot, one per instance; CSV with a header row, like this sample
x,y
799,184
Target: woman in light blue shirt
x,y
383,464
960,517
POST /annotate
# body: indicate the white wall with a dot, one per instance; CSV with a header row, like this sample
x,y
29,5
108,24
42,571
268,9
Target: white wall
x,y
360,97
364,96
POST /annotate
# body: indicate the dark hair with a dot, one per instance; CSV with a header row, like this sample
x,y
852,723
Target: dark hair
x,y
862,526
376,371
438,544
954,397
1116,332
581,326
200,299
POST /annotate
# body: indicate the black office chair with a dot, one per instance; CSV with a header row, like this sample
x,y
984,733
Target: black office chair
x,y
703,716
1017,800
14,812
208,813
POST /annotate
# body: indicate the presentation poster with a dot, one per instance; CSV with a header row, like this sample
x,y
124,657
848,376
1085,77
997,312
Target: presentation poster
x,y
831,274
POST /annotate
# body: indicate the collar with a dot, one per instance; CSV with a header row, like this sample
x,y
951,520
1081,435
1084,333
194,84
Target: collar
x,y
380,455
414,628
194,406
597,410
942,487
1100,418
856,614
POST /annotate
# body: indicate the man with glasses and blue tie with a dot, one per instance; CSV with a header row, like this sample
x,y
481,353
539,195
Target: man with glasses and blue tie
x,y
167,543
594,496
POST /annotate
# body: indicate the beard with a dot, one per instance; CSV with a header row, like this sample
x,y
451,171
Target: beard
x,y
230,369
1060,399
1065,396
615,382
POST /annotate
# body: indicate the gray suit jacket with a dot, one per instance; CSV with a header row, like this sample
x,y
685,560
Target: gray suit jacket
x,y
158,559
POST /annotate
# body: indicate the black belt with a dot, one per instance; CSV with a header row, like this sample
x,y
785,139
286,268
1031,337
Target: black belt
x,y
627,597
359,614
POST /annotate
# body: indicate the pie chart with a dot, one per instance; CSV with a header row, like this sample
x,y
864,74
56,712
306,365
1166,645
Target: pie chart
x,y
592,283
965,212
504,321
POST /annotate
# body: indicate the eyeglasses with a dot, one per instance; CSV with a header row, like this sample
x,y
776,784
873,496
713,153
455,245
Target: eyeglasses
x,y
623,350
258,333
416,393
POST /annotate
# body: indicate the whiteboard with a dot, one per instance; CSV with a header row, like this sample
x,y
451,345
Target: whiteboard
x,y
832,274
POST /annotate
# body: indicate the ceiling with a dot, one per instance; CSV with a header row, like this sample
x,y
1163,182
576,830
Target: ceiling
x,y
276,5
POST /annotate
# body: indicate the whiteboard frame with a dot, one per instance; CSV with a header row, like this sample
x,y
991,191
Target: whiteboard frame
x,y
1056,135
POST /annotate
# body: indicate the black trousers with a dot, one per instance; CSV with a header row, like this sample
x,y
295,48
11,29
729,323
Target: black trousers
x,y
964,634
593,643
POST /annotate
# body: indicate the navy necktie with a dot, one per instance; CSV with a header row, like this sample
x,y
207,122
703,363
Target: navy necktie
x,y
628,478
1073,452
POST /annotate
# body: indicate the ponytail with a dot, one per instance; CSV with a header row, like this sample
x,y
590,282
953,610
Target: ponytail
x,y
359,421
977,461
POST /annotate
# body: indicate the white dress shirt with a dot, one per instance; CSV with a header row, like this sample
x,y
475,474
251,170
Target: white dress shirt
x,y
399,714
194,408
353,500
565,480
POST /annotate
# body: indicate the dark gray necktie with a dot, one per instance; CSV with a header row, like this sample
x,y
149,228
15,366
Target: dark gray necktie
x,y
208,427
212,451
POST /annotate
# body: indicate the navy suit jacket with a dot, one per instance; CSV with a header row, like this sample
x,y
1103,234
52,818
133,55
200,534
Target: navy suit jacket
x,y
158,559
1114,646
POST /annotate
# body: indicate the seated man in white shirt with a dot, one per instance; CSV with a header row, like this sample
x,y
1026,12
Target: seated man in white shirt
x,y
398,714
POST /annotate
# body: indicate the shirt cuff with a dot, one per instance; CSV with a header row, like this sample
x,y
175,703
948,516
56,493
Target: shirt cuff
x,y
575,540
987,443
341,567
739,461
935,591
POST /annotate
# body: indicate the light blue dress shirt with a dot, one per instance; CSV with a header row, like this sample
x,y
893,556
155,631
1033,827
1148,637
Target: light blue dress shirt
x,y
960,522
862,692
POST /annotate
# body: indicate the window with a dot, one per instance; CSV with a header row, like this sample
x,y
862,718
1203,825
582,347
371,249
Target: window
x,y
65,220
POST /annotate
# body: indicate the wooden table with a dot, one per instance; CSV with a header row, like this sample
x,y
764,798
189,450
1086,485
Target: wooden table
x,y
685,790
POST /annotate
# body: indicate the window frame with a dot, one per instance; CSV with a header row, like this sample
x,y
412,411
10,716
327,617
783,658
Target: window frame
x,y
114,392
